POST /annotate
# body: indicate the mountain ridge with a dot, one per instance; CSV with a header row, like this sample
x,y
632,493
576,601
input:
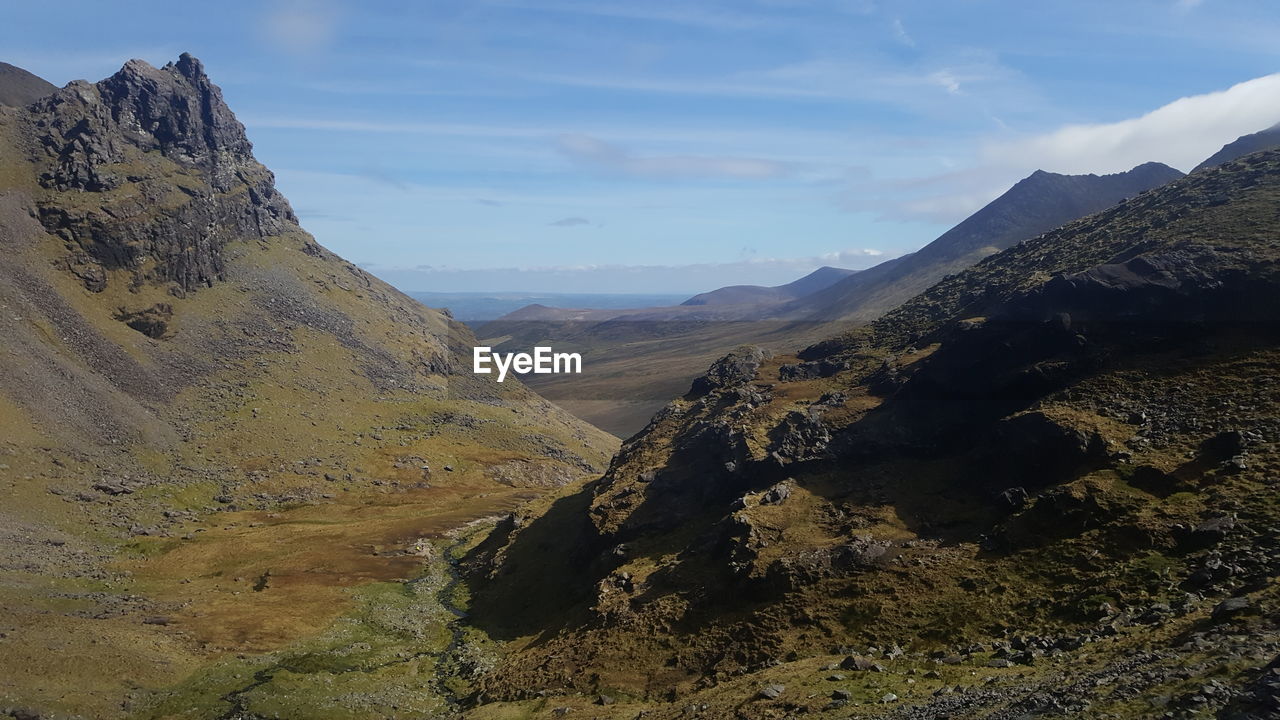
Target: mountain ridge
x,y
1038,203
1243,145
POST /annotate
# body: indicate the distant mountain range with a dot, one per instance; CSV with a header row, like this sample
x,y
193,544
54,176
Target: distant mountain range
x,y
476,308
755,294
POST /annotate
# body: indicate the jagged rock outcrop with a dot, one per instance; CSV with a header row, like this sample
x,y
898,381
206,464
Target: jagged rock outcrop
x,y
736,368
159,223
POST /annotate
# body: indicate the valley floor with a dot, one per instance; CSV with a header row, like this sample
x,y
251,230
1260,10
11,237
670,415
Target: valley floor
x,y
338,609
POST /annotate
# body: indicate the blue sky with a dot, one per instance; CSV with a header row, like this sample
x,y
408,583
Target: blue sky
x,y
658,146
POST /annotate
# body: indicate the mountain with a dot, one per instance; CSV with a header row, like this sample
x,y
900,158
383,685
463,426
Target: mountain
x,y
1244,145
635,360
756,294
1036,204
1044,486
19,87
218,440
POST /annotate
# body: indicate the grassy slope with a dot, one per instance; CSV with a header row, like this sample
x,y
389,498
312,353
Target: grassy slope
x,y
280,424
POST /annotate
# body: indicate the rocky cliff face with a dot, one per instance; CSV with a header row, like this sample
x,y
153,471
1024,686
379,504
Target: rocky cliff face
x,y
163,223
980,480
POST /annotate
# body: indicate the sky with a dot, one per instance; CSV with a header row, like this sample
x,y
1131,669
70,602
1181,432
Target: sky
x,y
678,146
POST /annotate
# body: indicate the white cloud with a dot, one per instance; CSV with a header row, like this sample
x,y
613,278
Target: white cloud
x,y
1181,134
596,153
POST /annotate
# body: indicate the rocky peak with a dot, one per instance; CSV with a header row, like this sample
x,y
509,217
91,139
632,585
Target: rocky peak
x,y
175,110
170,170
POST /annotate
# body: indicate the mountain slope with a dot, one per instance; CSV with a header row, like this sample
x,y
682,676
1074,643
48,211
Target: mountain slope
x,y
1043,486
755,294
1244,145
194,392
19,87
1036,204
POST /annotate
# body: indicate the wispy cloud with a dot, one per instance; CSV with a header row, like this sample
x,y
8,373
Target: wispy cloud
x,y
761,15
570,222
946,80
379,126
900,33
301,27
869,77
687,14
597,154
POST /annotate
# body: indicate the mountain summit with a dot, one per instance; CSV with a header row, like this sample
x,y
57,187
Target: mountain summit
x,y
170,168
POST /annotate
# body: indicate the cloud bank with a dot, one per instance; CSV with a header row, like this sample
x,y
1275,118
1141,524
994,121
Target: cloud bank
x,y
1181,134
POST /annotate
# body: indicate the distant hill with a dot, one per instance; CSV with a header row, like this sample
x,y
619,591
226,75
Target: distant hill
x,y
756,294
1261,140
1036,204
19,87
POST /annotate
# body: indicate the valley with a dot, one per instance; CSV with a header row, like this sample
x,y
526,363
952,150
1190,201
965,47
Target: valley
x,y
1029,470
